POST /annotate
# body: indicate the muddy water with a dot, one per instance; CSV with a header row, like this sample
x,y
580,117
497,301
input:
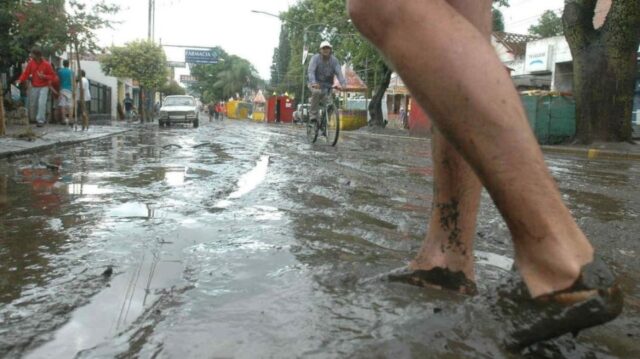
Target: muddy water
x,y
240,240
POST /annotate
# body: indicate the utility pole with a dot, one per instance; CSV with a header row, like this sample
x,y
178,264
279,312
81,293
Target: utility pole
x,y
152,20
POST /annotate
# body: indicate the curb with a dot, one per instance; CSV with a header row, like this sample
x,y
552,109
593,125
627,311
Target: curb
x,y
589,153
55,145
592,153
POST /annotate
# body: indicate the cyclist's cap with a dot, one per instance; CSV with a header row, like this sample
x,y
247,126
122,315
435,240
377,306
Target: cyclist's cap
x,y
326,44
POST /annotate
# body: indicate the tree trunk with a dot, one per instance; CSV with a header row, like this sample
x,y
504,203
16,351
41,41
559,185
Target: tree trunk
x,y
604,102
3,129
605,68
375,106
83,110
141,100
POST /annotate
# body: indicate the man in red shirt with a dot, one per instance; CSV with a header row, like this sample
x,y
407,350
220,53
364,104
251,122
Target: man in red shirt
x,y
42,75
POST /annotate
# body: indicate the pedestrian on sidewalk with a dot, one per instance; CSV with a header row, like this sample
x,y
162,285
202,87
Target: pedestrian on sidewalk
x,y
482,137
41,74
54,89
65,100
128,106
83,84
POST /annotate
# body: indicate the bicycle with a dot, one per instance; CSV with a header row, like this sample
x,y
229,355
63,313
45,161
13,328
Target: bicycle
x,y
328,123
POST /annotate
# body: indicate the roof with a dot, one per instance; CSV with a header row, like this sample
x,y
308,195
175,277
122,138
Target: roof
x,y
259,98
397,86
354,82
515,43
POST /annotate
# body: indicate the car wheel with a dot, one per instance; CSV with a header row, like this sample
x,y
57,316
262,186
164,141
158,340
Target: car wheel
x,y
196,123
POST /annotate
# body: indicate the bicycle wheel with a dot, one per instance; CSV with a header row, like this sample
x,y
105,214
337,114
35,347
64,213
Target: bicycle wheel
x,y
312,131
332,125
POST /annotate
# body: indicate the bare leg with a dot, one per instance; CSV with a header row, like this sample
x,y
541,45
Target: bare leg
x,y
452,227
456,75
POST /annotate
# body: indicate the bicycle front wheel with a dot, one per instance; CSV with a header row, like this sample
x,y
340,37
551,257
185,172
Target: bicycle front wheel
x,y
312,131
332,125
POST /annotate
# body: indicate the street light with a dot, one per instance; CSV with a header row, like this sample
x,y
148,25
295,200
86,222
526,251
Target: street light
x,y
304,42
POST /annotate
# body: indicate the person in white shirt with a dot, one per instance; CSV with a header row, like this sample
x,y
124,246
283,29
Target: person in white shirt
x,y
84,82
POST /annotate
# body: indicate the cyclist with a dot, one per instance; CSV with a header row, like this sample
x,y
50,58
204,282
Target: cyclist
x,y
322,69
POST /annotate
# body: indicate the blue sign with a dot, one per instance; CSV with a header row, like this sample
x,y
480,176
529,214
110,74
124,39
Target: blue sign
x,y
200,57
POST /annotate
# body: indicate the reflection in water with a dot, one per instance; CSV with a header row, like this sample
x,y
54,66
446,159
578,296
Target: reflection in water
x,y
175,176
81,189
248,182
132,210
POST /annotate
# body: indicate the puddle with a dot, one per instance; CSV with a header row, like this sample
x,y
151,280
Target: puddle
x,y
113,310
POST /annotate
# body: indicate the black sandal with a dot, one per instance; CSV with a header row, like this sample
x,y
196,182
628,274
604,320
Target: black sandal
x,y
593,299
440,278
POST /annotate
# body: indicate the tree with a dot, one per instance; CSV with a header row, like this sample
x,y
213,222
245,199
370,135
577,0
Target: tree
x,y
498,20
237,75
281,59
605,67
172,88
23,26
140,60
328,20
230,76
498,17
82,22
548,25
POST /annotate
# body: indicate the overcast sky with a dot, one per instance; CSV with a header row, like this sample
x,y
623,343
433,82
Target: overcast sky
x,y
231,25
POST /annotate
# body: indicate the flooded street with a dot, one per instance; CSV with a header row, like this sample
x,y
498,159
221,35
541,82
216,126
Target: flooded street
x,y
240,240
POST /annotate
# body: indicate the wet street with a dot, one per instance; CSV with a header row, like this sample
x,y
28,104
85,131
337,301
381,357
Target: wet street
x,y
240,240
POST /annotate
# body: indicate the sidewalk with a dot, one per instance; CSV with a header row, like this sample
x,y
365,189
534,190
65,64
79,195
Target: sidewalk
x,y
53,136
597,150
20,141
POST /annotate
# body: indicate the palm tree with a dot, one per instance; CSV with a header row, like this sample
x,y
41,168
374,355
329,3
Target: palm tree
x,y
238,74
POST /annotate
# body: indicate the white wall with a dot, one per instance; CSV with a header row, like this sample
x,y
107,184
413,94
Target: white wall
x,y
94,74
508,58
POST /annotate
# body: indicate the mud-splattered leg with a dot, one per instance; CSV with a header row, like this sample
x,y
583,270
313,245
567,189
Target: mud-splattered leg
x,y
457,77
451,231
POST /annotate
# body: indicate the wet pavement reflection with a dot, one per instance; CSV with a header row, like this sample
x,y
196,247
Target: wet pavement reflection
x,y
240,240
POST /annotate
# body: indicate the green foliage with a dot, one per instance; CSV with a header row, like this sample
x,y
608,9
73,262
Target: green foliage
x,y
548,25
281,59
498,17
25,25
140,60
498,20
172,88
83,21
230,76
50,26
324,20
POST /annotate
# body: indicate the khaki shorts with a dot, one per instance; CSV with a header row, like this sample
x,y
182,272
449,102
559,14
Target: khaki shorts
x,y
64,100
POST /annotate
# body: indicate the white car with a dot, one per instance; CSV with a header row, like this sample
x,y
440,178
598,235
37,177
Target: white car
x,y
178,109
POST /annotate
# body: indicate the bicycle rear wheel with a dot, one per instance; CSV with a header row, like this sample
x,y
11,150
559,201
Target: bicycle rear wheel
x,y
332,125
312,131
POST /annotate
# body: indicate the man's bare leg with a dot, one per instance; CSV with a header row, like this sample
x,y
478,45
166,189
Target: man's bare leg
x,y
456,75
456,195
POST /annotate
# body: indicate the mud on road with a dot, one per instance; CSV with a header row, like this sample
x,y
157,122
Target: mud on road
x,y
240,240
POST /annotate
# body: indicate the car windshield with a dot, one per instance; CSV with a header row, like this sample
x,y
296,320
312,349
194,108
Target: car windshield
x,y
179,101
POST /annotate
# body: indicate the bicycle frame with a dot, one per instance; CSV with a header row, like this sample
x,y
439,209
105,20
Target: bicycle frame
x,y
327,108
